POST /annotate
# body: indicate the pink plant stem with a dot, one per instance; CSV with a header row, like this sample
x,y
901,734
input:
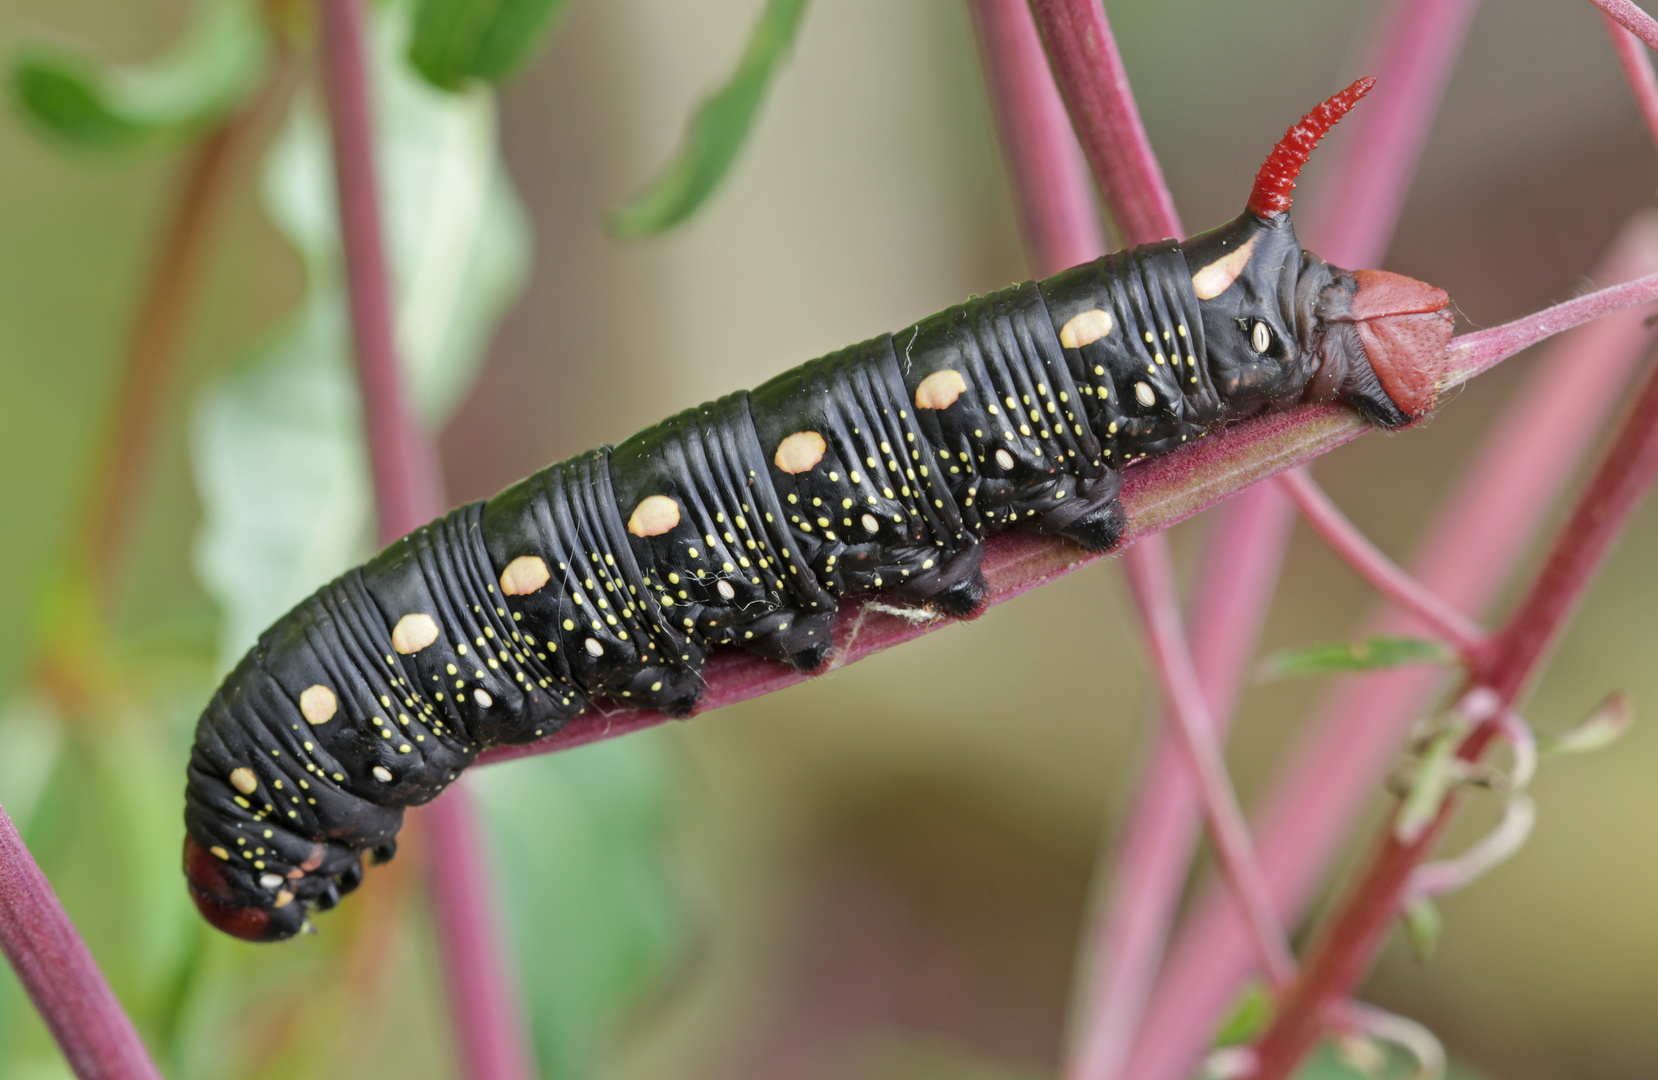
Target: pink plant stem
x,y
56,968
1152,578
1052,191
483,993
1396,586
1637,70
1478,541
1346,949
1381,142
1089,73
1375,159
1631,18
1091,78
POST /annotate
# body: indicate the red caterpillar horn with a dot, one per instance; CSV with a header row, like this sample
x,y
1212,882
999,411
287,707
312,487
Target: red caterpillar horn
x,y
1276,179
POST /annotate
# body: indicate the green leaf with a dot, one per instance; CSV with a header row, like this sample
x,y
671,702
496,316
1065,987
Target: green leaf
x,y
716,131
1435,773
581,842
277,443
1380,652
73,98
1252,1010
459,40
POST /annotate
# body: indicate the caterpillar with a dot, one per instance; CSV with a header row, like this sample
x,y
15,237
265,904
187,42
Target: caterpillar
x,y
742,522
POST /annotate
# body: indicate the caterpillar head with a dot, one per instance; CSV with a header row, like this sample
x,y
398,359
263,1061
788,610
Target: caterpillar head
x,y
1282,325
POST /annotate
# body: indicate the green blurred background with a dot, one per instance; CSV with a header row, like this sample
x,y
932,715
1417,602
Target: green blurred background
x,y
882,873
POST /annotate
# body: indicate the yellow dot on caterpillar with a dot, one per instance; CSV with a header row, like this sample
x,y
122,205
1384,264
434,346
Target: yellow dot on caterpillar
x,y
283,899
481,696
524,575
940,389
382,774
655,515
243,780
870,524
270,881
593,647
318,704
799,452
1085,329
1144,394
414,632
724,589
219,851
1004,459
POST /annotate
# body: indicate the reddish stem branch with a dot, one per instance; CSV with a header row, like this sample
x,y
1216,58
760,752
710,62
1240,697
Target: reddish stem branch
x,y
1346,950
1466,559
1637,70
1631,18
1091,78
483,993
1384,575
1151,577
59,974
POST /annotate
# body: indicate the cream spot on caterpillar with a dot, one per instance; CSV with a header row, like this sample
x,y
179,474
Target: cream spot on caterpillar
x,y
318,704
524,575
799,452
655,515
1219,275
414,632
940,389
1085,329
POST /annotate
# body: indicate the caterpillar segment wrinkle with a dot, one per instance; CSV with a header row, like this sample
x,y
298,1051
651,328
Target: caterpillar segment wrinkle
x,y
741,523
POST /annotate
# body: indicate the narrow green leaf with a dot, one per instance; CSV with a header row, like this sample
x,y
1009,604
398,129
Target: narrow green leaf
x,y
1435,773
77,100
1604,725
716,131
459,40
1380,652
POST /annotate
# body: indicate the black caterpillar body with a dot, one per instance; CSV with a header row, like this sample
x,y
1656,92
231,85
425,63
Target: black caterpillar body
x,y
743,522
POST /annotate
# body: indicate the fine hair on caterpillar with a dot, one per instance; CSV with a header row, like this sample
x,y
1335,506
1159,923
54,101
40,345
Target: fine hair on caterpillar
x,y
742,523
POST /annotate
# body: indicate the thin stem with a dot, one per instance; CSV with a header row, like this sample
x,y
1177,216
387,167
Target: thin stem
x,y
1480,538
1384,575
1412,60
1157,494
1637,70
1347,948
1631,18
154,346
1094,84
482,991
1053,194
1151,576
59,974
1088,70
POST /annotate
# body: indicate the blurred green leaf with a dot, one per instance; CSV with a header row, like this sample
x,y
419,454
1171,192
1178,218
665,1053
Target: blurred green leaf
x,y
716,131
459,40
1251,1012
580,839
1379,652
1435,773
277,443
76,99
